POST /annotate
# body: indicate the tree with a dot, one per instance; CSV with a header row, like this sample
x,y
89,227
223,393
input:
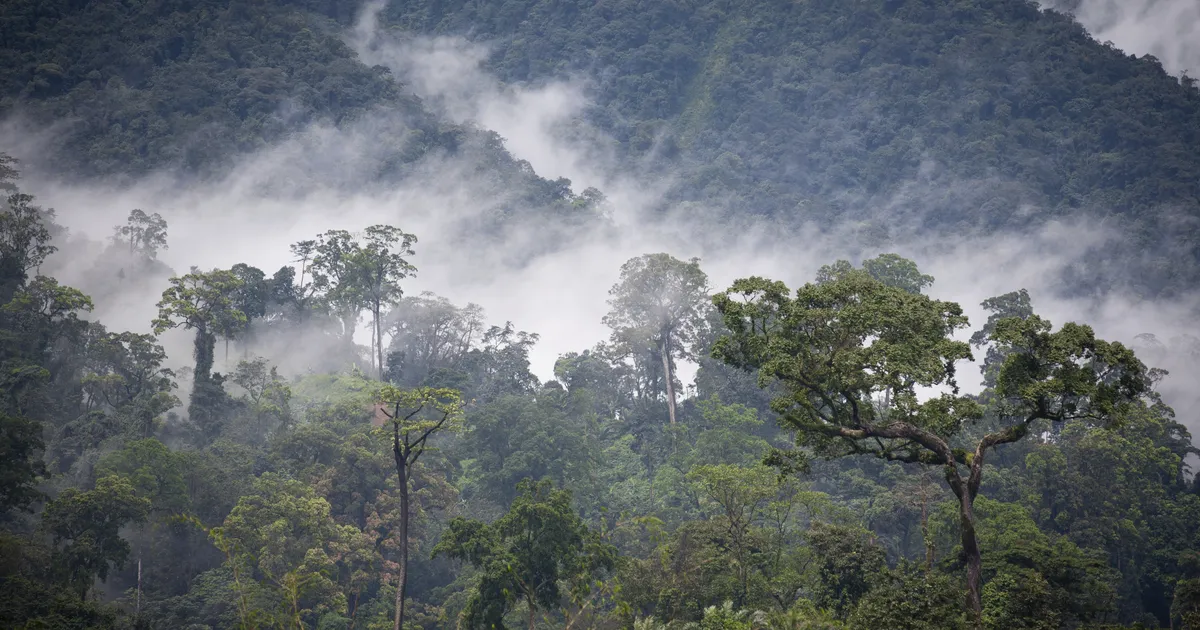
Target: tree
x,y
738,496
839,347
20,462
658,307
526,555
48,311
429,333
905,598
204,302
268,395
145,233
382,265
24,241
282,535
86,528
250,298
352,273
125,373
415,416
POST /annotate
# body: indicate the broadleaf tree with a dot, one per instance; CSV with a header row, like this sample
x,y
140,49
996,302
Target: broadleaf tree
x,y
841,347
658,308
204,302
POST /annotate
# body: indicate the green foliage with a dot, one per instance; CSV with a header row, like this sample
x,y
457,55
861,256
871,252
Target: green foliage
x,y
907,599
839,344
126,377
145,233
21,464
658,315
525,554
908,117
847,561
85,527
24,241
280,542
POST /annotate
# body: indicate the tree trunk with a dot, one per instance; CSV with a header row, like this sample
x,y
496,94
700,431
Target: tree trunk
x,y
669,377
929,550
138,607
532,612
402,582
971,555
378,342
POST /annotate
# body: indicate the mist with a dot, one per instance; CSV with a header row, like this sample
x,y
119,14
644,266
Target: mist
x,y
1167,29
303,186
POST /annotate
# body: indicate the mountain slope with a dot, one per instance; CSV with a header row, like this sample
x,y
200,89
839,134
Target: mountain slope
x,y
923,113
191,87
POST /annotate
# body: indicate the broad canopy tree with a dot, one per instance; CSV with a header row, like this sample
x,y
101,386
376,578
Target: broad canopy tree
x,y
842,347
144,233
204,302
351,273
658,308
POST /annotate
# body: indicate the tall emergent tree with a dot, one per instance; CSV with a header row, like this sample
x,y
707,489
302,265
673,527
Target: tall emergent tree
x,y
382,265
841,347
415,416
658,307
204,302
145,233
353,274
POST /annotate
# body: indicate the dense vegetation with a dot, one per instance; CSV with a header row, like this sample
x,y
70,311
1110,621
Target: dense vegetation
x,y
432,469
823,471
186,88
914,114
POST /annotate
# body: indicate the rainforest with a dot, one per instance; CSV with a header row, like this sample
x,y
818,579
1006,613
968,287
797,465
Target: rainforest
x,y
550,314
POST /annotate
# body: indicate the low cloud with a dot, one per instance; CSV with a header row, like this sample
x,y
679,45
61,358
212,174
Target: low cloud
x,y
1166,29
297,189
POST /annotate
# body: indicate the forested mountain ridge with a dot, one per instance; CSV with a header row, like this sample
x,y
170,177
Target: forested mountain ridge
x,y
918,114
187,88
913,115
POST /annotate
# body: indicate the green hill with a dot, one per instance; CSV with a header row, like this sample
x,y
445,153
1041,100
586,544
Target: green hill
x,y
131,87
917,113
919,116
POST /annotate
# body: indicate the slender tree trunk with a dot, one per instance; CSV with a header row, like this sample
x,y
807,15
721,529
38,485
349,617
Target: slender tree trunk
x,y
138,607
665,348
378,341
925,534
532,612
402,581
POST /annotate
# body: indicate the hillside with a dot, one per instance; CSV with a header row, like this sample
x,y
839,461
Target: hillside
x,y
187,88
916,113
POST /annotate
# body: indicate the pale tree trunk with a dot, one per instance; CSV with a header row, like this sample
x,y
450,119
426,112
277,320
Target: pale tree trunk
x,y
378,342
402,581
665,350
532,612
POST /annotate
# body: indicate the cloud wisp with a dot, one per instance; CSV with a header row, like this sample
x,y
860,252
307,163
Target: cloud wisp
x,y
1166,29
284,194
